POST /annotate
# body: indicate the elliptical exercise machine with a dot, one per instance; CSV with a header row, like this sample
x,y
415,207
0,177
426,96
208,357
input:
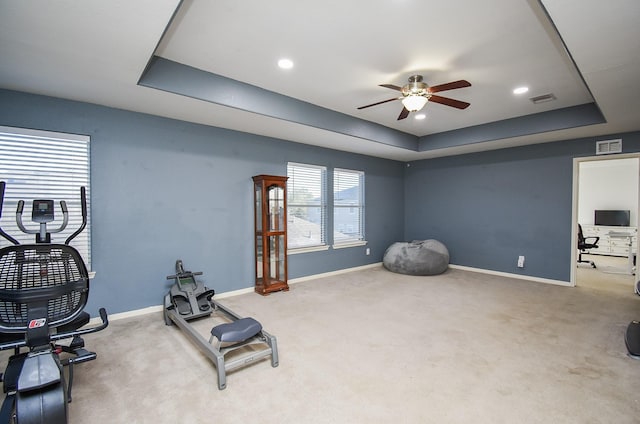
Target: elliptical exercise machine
x,y
44,288
632,339
632,335
189,299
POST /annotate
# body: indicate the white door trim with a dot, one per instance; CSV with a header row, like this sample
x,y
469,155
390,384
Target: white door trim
x,y
574,206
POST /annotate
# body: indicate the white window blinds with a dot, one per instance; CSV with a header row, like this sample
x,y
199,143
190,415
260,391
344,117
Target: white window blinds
x,y
306,205
348,206
44,165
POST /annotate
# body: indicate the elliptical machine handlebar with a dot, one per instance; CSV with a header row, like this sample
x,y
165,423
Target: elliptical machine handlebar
x,y
63,335
44,216
83,203
43,229
2,233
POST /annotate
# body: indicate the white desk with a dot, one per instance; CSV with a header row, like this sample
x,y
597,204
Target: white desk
x,y
630,269
610,246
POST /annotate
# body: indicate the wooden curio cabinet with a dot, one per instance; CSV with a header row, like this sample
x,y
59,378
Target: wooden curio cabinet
x,y
270,216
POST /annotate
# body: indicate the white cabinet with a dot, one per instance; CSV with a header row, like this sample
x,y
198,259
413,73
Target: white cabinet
x,y
612,241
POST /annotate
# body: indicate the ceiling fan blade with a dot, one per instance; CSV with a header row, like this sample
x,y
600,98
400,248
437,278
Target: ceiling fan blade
x,y
403,114
379,103
449,86
391,86
449,102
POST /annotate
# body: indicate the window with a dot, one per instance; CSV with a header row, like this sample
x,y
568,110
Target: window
x,y
306,206
348,206
44,165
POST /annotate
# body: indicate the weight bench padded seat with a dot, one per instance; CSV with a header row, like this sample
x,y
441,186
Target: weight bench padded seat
x,y
236,331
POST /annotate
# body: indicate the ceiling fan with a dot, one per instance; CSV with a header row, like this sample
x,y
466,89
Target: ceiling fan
x,y
416,94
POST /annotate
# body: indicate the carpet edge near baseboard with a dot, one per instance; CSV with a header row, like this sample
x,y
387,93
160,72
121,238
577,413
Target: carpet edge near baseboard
x,y
158,308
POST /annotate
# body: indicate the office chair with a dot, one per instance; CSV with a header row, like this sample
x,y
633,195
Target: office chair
x,y
583,246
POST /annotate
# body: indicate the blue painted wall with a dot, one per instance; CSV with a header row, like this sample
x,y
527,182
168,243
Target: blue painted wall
x,y
491,207
164,189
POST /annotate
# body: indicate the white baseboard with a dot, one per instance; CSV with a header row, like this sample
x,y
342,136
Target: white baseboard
x,y
158,308
128,314
510,275
332,273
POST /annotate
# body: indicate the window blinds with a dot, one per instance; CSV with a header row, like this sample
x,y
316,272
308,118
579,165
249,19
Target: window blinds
x,y
44,165
348,206
306,205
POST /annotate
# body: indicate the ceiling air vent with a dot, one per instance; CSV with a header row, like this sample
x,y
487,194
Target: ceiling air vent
x,y
543,98
606,147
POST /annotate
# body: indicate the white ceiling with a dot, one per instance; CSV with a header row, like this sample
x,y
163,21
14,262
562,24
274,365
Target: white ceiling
x,y
96,51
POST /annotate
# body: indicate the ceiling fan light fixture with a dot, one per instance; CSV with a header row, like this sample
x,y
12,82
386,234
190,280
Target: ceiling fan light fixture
x,y
416,94
414,103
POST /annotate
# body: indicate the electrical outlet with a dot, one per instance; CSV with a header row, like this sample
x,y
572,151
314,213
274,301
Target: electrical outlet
x,y
367,251
520,261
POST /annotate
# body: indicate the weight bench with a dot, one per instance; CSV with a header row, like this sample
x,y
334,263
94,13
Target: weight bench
x,y
189,299
228,337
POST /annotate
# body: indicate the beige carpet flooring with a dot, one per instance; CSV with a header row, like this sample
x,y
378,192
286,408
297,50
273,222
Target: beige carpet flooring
x,y
611,274
375,347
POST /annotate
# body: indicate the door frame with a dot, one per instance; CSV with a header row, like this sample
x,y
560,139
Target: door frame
x,y
574,206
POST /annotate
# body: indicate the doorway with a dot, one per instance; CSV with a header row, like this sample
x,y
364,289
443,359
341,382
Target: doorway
x,y
605,183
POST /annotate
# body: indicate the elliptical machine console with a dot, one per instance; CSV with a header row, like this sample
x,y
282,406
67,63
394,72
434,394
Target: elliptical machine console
x,y
44,288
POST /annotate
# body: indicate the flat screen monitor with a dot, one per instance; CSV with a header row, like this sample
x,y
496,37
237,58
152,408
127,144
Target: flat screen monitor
x,y
617,218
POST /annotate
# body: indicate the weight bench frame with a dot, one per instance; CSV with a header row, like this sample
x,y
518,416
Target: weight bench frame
x,y
215,353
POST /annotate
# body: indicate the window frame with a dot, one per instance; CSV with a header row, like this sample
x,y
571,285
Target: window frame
x,y
292,203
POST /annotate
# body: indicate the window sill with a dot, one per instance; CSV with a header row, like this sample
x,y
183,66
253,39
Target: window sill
x,y
307,249
350,244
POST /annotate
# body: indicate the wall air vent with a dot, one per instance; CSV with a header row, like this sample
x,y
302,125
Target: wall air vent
x,y
606,147
543,98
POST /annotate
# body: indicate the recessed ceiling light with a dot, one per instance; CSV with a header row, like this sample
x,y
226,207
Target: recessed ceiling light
x,y
520,90
421,116
285,63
